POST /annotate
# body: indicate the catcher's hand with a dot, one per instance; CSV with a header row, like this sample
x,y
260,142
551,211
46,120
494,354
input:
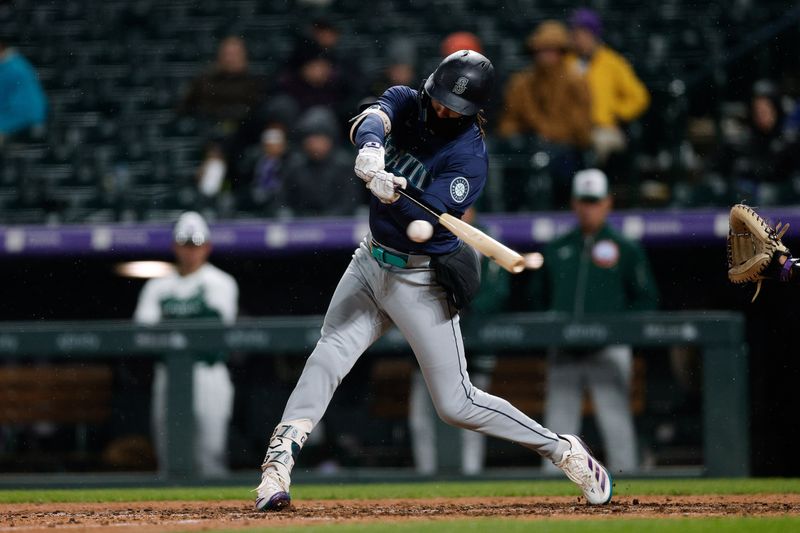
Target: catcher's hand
x,y
755,248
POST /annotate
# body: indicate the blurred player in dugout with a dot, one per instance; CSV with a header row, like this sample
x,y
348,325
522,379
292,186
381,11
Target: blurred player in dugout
x,y
197,289
422,419
593,270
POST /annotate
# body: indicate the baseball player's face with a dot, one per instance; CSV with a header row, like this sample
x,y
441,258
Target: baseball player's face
x,y
189,258
591,214
443,112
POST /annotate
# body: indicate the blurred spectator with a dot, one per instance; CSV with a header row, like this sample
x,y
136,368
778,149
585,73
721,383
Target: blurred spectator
x,y
594,270
320,34
547,109
460,40
318,178
548,99
228,94
762,156
618,96
229,99
23,103
422,420
401,59
316,81
196,289
792,122
319,74
268,169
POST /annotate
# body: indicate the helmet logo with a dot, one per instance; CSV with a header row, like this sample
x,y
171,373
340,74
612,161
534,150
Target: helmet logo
x,y
461,85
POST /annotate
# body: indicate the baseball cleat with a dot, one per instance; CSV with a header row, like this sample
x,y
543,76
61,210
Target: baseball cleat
x,y
587,472
272,494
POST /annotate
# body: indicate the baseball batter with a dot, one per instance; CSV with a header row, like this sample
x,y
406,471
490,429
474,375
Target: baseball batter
x,y
430,140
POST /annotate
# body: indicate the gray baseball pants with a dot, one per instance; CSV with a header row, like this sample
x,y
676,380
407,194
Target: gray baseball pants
x,y
607,374
370,298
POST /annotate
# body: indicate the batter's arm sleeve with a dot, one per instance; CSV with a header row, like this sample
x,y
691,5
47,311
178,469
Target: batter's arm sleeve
x,y
640,285
375,122
148,309
632,97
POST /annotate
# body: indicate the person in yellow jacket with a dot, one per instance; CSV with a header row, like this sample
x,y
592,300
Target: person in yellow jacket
x,y
546,110
618,96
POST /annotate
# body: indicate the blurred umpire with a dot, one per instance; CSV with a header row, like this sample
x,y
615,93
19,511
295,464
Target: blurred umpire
x,y
594,270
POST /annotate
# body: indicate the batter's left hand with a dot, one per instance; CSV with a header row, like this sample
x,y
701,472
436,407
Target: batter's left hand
x,y
370,160
383,185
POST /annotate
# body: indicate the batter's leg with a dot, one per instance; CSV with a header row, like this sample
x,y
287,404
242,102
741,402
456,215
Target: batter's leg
x,y
473,444
610,386
353,322
419,308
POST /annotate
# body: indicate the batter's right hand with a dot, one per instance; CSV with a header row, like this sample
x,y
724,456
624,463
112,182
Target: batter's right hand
x,y
369,161
383,185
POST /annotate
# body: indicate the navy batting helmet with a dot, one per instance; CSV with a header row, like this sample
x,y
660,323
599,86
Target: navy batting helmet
x,y
462,82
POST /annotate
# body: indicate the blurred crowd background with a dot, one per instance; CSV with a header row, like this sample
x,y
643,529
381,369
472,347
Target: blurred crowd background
x,y
148,108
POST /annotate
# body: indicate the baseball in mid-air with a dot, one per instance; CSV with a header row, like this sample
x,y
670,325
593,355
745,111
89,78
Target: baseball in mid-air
x,y
419,230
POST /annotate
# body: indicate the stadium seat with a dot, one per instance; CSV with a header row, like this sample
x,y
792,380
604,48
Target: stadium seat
x,y
114,70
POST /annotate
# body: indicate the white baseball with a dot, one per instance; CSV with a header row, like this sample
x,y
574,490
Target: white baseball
x,y
419,230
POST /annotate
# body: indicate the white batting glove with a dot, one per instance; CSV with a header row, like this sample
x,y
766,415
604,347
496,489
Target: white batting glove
x,y
369,161
383,185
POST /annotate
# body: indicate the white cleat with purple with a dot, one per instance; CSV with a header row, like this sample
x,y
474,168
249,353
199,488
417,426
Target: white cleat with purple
x,y
587,472
273,493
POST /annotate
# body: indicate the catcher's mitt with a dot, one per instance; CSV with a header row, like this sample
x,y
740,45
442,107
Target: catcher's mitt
x,y
752,245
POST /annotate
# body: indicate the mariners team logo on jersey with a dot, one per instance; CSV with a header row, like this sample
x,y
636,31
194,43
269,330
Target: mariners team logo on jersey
x,y
401,163
459,189
461,85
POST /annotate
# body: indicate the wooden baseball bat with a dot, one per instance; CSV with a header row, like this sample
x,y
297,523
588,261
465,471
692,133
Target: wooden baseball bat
x,y
494,250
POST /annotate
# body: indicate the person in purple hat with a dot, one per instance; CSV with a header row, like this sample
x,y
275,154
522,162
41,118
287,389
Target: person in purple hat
x,y
618,96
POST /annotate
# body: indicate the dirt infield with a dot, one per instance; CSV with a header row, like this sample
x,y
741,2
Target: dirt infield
x,y
184,516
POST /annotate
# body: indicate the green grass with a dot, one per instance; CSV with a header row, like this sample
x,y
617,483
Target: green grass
x,y
411,490
676,525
